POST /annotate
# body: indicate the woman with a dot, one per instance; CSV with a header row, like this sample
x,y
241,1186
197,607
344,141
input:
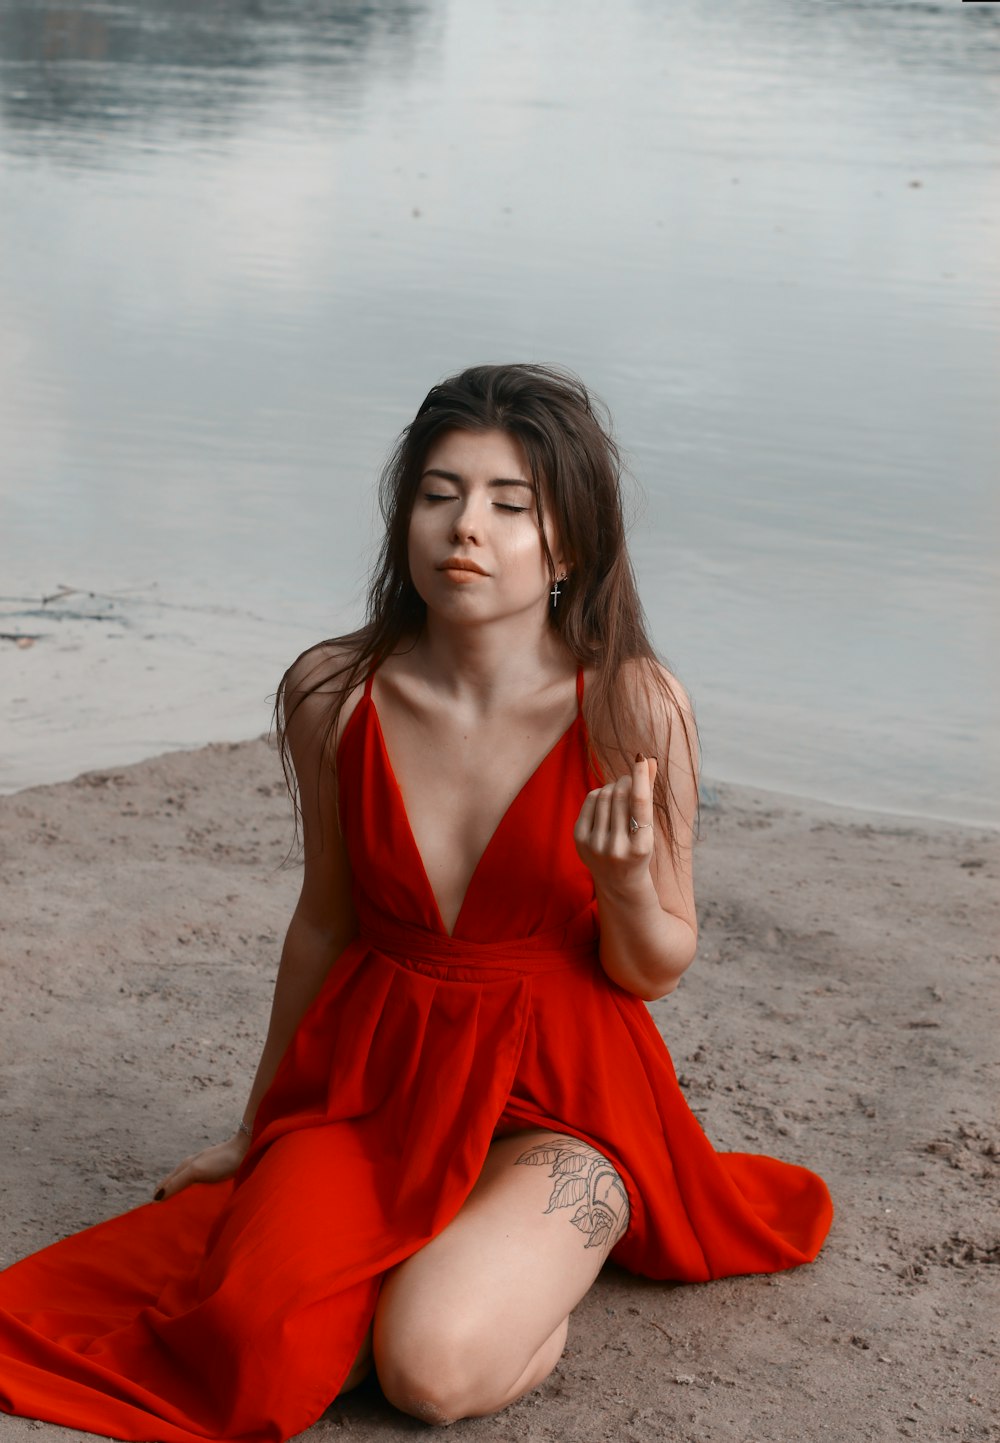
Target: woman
x,y
462,1107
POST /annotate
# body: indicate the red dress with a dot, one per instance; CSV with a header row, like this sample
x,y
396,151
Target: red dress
x,y
235,1310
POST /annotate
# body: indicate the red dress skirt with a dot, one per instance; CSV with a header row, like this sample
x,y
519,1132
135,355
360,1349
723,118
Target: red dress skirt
x,y
234,1310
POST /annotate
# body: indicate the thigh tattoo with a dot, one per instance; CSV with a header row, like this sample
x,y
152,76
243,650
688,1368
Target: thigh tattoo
x,y
582,1176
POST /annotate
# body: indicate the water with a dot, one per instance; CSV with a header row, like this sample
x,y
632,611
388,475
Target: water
x,y
238,242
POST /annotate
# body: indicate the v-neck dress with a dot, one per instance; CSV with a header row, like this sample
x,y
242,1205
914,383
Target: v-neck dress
x,y
234,1310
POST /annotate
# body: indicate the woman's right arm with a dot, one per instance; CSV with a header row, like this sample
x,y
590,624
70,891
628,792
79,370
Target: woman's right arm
x,y
322,924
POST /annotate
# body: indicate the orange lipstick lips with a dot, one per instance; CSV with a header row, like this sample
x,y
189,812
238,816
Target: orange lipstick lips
x,y
460,569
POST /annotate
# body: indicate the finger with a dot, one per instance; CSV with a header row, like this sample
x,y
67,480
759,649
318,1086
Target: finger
x,y
585,820
602,818
620,811
642,792
184,1173
165,1185
179,1179
174,1183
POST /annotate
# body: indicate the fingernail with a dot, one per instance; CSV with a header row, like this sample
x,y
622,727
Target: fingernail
x,y
158,1195
638,756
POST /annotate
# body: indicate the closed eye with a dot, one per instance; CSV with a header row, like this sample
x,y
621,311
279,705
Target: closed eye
x,y
436,496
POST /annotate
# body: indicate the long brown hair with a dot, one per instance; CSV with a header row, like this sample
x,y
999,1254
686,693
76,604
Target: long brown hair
x,y
576,467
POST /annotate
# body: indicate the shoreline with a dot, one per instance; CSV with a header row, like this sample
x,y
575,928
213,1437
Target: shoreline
x,y
851,813
712,789
121,678
837,1015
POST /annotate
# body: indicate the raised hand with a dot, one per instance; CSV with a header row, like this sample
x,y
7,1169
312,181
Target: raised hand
x,y
213,1164
614,832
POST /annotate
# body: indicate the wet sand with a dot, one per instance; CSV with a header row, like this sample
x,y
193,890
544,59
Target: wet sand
x,y
842,1013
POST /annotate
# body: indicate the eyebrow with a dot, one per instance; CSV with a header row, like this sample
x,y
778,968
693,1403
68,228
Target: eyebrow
x,y
497,480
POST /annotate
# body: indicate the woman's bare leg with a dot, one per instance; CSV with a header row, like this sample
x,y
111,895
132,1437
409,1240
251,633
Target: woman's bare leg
x,y
480,1315
361,1366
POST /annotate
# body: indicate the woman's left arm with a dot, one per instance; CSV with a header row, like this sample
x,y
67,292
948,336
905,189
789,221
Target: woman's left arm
x,y
645,897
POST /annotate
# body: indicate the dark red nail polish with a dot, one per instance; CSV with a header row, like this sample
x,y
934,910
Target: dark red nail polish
x,y
158,1195
638,756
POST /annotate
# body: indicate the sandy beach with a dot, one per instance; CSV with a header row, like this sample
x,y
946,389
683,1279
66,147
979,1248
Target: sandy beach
x,y
842,1013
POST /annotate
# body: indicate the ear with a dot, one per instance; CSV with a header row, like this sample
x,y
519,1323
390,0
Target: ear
x,y
561,559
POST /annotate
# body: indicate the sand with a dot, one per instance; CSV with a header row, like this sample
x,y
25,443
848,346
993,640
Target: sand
x,y
842,1013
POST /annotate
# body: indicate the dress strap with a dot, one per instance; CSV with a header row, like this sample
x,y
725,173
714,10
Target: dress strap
x,y
367,693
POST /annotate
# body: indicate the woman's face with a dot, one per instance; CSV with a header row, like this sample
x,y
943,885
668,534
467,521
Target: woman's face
x,y
475,550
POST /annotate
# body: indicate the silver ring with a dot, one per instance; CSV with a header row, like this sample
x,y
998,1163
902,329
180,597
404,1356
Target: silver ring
x,y
635,826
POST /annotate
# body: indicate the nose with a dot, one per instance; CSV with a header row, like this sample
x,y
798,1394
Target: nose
x,y
466,521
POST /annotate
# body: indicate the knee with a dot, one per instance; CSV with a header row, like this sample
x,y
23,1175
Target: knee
x,y
437,1377
457,1371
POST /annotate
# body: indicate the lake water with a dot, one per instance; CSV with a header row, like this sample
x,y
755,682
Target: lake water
x,y
239,241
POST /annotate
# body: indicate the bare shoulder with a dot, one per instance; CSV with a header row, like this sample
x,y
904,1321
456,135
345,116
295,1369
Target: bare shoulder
x,y
657,697
655,714
308,696
314,687
317,671
311,688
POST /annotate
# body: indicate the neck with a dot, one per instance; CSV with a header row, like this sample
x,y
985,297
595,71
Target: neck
x,y
480,662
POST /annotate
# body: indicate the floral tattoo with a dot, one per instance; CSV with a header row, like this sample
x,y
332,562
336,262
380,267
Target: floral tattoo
x,y
582,1176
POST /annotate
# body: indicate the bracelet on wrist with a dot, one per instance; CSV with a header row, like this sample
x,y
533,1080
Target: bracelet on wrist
x,y
242,1127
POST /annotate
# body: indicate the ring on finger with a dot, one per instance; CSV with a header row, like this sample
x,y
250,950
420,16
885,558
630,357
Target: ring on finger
x,y
635,826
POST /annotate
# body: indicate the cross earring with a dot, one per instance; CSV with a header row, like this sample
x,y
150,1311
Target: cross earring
x,y
555,593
